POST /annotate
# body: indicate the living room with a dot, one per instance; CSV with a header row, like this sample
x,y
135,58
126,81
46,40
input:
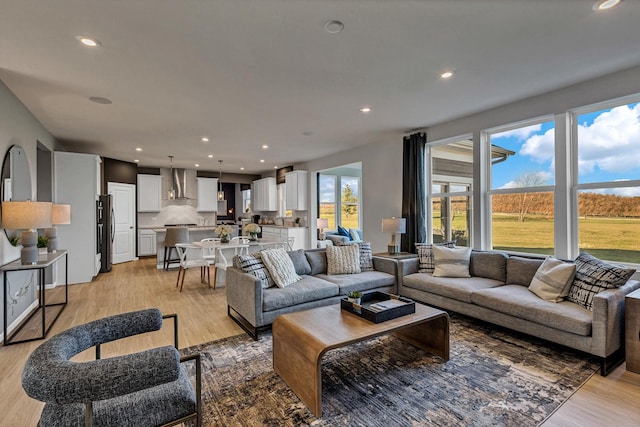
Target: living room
x,y
382,180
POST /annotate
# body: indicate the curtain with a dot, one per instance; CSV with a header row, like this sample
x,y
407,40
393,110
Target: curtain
x,y
414,191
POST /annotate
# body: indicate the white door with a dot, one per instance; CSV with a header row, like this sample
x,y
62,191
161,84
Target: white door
x,y
124,212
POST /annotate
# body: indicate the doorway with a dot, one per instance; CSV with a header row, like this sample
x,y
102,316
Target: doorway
x,y
124,216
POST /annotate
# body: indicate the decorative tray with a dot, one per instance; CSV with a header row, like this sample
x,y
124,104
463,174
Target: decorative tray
x,y
379,307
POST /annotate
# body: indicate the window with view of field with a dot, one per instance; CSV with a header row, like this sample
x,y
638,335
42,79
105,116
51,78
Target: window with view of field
x,y
340,200
522,188
608,151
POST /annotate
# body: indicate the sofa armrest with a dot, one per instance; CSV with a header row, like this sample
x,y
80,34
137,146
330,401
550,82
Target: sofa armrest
x,y
405,267
608,318
385,265
337,239
244,295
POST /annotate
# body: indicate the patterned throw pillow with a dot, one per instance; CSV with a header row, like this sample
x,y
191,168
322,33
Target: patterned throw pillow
x,y
343,259
366,256
594,276
253,265
425,255
451,262
280,266
553,279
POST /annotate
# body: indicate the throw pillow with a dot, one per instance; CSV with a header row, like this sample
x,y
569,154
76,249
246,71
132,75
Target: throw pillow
x,y
594,276
553,279
317,260
425,255
451,262
366,256
343,259
280,266
254,265
354,234
300,262
344,232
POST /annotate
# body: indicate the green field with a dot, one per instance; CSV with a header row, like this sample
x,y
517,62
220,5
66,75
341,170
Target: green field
x,y
350,221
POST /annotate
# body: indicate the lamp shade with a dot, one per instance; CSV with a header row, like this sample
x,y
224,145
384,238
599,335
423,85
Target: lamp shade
x,y
322,223
61,214
394,225
26,215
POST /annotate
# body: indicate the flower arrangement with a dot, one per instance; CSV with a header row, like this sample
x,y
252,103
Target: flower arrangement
x,y
252,228
223,230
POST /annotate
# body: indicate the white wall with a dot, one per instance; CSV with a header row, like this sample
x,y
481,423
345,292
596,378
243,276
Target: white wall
x,y
19,127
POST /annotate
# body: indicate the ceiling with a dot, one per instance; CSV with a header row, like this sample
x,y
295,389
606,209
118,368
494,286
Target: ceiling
x,y
250,72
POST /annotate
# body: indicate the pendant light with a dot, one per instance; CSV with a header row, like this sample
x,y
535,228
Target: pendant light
x,y
220,192
172,192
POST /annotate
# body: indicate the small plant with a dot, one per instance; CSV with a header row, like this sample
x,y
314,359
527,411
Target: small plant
x,y
42,241
355,294
14,240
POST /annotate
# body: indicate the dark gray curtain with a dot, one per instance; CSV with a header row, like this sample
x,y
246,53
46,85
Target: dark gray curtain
x,y
414,191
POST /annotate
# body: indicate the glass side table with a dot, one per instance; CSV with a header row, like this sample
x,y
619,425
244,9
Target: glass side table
x,y
48,312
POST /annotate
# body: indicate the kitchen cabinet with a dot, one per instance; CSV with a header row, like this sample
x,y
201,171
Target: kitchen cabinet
x,y
296,190
146,242
207,195
149,193
264,195
283,233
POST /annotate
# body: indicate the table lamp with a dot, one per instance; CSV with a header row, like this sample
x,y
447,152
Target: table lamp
x,y
321,224
60,214
29,216
394,226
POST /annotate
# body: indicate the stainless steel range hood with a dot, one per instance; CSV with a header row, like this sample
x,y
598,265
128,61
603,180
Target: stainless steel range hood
x,y
179,182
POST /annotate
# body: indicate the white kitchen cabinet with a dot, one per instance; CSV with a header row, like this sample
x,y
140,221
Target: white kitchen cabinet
x,y
296,190
264,195
207,195
149,193
283,233
146,242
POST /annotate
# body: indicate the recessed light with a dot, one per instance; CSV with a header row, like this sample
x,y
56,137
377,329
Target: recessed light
x,y
333,27
138,149
210,156
275,167
447,74
606,4
100,100
88,41
261,160
205,139
265,146
197,165
365,110
242,169
137,161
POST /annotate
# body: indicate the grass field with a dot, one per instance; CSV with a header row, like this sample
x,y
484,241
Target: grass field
x,y
327,211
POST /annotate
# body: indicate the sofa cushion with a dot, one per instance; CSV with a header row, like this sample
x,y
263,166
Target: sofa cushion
x,y
450,287
253,265
300,261
307,289
366,256
517,301
355,234
594,276
425,255
364,281
317,261
344,232
553,279
280,266
492,265
520,271
343,259
451,262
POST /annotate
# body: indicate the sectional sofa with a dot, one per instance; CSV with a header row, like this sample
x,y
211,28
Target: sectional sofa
x,y
253,307
498,292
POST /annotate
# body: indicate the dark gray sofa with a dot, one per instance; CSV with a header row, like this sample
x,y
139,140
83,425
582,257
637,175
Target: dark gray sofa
x,y
253,307
497,292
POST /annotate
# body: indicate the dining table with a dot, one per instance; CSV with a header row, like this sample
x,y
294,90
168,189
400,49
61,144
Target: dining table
x,y
239,247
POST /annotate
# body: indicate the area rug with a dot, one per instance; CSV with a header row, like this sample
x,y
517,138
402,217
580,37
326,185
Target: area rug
x,y
495,377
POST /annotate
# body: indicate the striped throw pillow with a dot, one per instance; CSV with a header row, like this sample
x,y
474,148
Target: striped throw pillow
x,y
451,262
425,255
254,265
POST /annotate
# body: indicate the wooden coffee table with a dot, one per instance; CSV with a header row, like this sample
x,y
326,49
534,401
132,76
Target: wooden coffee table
x,y
300,340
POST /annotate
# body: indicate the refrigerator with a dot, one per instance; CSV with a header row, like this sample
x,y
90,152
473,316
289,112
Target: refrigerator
x,y
105,231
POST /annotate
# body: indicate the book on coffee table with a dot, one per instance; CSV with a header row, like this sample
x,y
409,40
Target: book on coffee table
x,y
386,305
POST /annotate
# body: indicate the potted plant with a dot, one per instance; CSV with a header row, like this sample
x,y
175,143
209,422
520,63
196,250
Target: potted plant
x,y
253,230
42,243
355,297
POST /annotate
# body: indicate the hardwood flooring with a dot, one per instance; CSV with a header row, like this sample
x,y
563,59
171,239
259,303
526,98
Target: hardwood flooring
x,y
202,314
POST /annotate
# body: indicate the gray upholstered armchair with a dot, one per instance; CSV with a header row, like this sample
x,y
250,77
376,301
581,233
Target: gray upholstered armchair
x,y
149,388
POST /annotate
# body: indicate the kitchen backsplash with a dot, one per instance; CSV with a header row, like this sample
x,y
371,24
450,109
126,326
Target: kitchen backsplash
x,y
176,214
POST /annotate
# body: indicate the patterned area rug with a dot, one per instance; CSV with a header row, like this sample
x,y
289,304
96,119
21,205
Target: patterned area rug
x,y
495,377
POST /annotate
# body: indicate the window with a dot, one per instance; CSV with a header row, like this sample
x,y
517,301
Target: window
x,y
327,193
246,200
350,202
608,155
451,166
339,200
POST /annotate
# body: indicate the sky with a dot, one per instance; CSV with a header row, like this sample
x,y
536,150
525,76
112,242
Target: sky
x,y
327,187
608,150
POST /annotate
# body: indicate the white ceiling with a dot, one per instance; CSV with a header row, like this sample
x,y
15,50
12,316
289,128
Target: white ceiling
x,y
252,72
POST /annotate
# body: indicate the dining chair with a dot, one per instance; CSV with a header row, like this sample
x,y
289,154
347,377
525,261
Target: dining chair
x,y
173,236
290,241
241,240
192,256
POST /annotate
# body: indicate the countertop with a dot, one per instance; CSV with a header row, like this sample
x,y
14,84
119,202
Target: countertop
x,y
159,228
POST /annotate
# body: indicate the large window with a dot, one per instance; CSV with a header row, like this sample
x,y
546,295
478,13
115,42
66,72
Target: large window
x,y
339,200
522,183
350,202
608,158
328,199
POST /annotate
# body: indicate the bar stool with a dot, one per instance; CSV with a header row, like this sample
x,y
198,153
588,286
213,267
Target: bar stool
x,y
173,235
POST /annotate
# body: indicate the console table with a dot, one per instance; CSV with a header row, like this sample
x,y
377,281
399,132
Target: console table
x,y
46,310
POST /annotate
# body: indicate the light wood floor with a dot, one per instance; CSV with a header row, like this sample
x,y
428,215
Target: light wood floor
x,y
610,401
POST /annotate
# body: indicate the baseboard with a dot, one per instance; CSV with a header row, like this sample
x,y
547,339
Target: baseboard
x,y
19,319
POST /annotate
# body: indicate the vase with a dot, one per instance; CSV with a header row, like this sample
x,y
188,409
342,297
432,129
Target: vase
x,y
354,300
253,236
224,238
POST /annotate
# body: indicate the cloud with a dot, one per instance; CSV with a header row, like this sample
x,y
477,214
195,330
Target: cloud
x,y
621,191
530,179
612,143
520,133
540,147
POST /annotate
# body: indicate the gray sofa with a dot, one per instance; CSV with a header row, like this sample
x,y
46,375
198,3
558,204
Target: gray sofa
x,y
339,239
497,292
253,307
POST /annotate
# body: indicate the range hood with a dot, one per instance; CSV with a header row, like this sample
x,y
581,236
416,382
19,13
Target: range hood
x,y
179,183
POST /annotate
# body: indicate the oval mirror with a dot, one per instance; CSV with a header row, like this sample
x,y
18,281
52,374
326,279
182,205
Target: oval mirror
x,y
16,180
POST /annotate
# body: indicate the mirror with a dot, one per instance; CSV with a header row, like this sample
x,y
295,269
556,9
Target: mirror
x,y
16,179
